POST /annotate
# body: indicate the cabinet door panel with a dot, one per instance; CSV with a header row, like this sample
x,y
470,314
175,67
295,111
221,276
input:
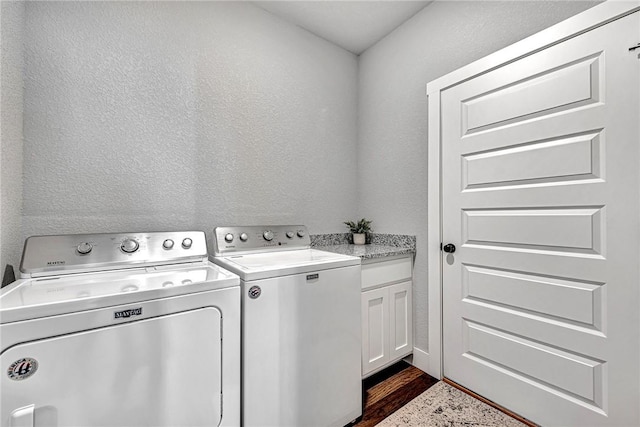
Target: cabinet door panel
x,y
375,329
401,327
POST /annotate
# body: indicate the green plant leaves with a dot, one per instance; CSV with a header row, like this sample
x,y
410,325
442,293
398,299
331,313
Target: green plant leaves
x,y
362,226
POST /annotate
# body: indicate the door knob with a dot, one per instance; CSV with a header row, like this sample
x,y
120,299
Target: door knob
x,y
449,248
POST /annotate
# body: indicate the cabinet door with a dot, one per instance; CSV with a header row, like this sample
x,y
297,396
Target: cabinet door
x,y
375,329
401,325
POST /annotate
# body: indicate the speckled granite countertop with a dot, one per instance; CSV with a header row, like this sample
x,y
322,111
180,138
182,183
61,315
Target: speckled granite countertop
x,y
366,251
381,246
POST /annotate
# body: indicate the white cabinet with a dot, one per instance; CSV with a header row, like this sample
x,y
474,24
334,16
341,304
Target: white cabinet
x,y
401,325
375,329
387,322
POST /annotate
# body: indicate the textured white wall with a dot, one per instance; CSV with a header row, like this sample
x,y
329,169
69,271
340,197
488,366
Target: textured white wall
x,y
173,115
392,129
152,116
11,107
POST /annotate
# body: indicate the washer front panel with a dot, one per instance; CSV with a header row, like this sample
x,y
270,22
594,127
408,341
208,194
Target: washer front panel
x,y
135,373
226,301
302,333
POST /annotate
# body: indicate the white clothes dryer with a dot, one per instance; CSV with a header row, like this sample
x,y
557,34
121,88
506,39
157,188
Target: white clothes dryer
x,y
135,329
301,327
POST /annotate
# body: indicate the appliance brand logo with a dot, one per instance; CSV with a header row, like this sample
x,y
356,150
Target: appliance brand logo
x,y
55,262
127,313
254,292
22,369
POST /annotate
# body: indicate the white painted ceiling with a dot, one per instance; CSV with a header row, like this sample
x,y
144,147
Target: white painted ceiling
x,y
353,25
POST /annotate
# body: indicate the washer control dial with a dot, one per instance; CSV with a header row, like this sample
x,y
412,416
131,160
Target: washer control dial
x,y
228,238
167,244
129,246
300,233
84,248
290,234
268,235
244,237
186,243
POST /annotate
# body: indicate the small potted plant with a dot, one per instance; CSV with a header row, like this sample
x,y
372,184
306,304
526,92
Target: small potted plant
x,y
359,230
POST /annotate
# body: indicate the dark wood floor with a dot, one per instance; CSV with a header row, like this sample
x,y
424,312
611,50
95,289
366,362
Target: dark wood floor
x,y
389,390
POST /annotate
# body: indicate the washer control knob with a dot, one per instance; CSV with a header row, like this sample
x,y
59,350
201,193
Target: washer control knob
x,y
244,237
84,248
167,244
300,233
228,238
290,234
129,245
268,235
186,243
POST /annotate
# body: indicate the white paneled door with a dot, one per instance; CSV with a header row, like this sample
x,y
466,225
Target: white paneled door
x,y
540,190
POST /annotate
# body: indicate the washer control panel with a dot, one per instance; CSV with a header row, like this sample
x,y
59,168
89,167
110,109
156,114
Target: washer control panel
x,y
259,238
73,253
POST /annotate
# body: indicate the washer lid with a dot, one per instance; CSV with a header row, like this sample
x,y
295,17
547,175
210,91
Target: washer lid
x,y
283,263
50,296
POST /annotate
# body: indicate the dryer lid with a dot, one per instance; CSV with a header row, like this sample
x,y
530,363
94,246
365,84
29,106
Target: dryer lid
x,y
40,297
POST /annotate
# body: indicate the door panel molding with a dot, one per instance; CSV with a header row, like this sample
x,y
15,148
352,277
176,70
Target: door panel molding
x,y
504,166
571,85
559,298
531,361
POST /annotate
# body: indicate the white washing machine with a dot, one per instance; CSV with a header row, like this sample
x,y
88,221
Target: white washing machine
x,y
136,329
301,327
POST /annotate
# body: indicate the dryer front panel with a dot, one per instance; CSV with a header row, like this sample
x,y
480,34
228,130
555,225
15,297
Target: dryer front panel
x,y
160,371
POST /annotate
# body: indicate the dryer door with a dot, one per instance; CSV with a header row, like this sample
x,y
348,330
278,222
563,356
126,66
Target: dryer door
x,y
162,371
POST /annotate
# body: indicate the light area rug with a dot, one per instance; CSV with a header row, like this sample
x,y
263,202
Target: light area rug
x,y
446,406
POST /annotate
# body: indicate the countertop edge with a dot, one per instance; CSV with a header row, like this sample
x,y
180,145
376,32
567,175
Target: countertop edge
x,y
369,251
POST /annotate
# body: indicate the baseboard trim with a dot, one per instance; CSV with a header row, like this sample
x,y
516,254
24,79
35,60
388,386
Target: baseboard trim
x,y
423,361
490,403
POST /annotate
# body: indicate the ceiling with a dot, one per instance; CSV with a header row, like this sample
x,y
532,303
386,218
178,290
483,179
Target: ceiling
x,y
353,25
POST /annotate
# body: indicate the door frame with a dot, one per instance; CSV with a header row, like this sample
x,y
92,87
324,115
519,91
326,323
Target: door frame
x,y
432,361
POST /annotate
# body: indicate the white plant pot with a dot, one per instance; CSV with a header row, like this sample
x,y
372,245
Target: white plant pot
x,y
359,238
